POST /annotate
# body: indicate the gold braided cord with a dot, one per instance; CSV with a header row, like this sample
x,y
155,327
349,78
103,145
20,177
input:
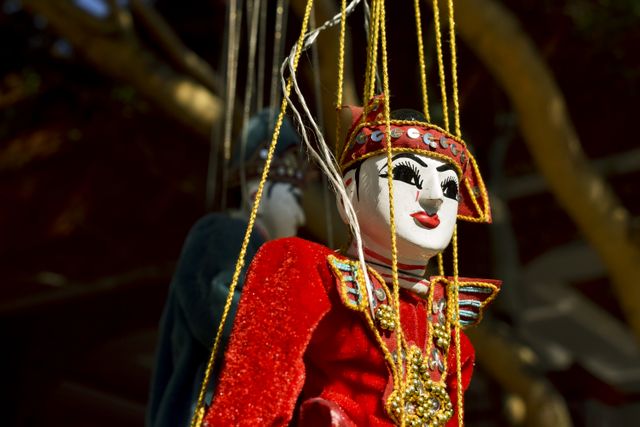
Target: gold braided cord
x,y
423,67
378,25
367,71
370,50
343,32
372,326
443,86
392,221
198,417
376,46
372,59
450,315
199,412
429,338
454,70
484,213
456,326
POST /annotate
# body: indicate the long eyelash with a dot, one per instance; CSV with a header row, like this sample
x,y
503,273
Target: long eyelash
x,y
448,180
413,168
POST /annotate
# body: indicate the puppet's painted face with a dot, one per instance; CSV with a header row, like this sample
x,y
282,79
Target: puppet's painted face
x,y
425,200
280,211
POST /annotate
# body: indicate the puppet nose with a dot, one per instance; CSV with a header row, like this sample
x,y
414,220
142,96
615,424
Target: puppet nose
x,y
431,196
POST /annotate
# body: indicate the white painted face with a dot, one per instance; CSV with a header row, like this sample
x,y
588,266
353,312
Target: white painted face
x,y
280,212
425,200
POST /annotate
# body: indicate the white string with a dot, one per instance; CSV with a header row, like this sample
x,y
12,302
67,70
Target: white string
x,y
311,36
324,157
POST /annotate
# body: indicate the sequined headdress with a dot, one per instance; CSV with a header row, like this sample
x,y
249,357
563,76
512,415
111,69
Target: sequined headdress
x,y
287,164
366,138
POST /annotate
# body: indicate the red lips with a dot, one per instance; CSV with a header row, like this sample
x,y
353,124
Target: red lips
x,y
426,220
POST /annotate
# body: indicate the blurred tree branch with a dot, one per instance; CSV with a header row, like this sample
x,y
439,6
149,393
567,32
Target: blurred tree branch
x,y
114,48
494,34
178,53
509,364
487,27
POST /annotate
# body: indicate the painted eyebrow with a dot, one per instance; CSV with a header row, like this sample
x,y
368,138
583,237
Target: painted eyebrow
x,y
410,156
446,167
407,155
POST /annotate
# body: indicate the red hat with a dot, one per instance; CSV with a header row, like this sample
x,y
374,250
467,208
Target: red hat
x,y
367,136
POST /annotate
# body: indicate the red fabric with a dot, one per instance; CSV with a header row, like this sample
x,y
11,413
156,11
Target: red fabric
x,y
294,341
319,412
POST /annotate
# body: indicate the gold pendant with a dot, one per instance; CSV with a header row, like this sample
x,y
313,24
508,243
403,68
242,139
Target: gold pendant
x,y
426,402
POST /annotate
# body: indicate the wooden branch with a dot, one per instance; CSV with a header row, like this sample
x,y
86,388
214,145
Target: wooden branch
x,y
508,364
71,290
494,34
107,27
617,164
178,53
121,17
123,56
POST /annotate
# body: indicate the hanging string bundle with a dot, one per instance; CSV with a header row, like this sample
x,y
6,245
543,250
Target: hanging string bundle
x,y
256,23
200,405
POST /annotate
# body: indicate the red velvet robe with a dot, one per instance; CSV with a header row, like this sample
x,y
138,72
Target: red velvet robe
x,y
297,353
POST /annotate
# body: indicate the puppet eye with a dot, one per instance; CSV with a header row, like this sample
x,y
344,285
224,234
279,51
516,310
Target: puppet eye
x,y
450,188
295,192
406,172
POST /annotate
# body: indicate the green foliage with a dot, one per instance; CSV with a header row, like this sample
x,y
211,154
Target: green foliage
x,y
31,81
124,94
603,18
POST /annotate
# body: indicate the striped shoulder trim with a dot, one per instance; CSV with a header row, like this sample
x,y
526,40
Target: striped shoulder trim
x,y
350,282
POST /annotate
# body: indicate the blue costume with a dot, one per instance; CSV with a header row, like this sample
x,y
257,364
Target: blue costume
x,y
194,306
199,288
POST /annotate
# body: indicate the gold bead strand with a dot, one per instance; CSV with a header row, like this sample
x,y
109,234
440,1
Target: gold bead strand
x,y
392,224
456,326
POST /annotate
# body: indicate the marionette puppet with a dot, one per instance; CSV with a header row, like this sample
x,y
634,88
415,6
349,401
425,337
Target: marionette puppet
x,y
201,282
313,345
363,337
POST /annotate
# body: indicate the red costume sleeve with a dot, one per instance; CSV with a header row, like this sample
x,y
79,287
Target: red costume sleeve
x,y
283,299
